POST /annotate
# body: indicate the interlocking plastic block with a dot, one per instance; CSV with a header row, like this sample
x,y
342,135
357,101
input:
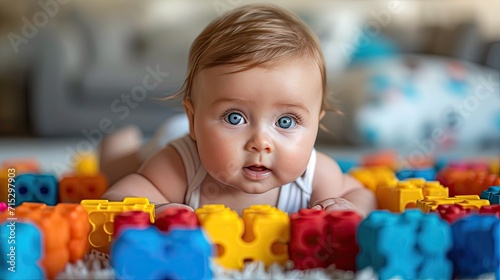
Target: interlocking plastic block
x,y
102,216
411,245
86,165
372,177
55,231
430,203
385,158
21,251
261,235
428,174
151,254
319,239
490,210
3,206
75,188
42,188
130,219
404,194
476,246
452,212
492,194
176,217
346,165
466,182
22,165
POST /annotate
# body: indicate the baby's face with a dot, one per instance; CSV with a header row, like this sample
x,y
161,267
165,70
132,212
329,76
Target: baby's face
x,y
255,130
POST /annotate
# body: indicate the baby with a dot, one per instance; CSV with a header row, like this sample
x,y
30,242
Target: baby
x,y
254,97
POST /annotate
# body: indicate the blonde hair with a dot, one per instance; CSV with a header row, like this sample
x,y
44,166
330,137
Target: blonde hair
x,y
253,36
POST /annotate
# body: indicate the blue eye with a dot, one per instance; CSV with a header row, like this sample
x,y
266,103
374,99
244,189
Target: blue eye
x,y
286,122
234,118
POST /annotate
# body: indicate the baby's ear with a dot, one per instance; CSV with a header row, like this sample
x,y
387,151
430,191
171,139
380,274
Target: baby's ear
x,y
188,106
321,114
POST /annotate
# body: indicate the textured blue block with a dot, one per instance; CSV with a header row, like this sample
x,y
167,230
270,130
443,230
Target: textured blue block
x,y
151,254
476,246
492,194
411,245
346,165
429,174
36,188
20,250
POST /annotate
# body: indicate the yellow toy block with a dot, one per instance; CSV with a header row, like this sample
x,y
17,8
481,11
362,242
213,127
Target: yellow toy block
x,y
372,177
404,194
261,235
87,165
430,203
102,216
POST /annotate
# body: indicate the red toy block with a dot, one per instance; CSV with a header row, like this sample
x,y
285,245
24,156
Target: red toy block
x,y
176,217
130,219
466,182
490,210
388,158
319,239
75,188
452,212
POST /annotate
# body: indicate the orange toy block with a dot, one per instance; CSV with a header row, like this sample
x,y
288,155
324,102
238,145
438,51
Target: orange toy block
x,y
404,194
102,216
75,188
372,177
22,165
261,235
387,158
465,182
430,203
55,230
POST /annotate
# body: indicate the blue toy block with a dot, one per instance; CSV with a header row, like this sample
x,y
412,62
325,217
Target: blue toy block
x,y
36,188
20,251
151,254
429,174
492,194
346,165
411,245
476,246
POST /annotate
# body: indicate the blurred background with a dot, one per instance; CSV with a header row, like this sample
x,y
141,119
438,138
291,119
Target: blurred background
x,y
423,75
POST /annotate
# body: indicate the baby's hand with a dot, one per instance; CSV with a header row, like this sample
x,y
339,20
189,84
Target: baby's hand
x,y
335,204
161,207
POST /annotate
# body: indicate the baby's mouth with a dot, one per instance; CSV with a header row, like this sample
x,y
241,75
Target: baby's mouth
x,y
256,173
257,168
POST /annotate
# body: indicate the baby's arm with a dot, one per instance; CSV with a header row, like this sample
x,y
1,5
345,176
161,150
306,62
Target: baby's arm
x,y
333,190
161,179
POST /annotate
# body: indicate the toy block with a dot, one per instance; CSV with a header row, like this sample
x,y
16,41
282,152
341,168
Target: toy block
x,y
130,219
385,158
151,254
476,246
372,177
492,194
428,174
261,234
176,217
490,210
40,188
86,165
55,231
102,216
465,182
21,165
319,239
411,245
430,203
452,212
404,194
3,206
75,188
21,251
346,165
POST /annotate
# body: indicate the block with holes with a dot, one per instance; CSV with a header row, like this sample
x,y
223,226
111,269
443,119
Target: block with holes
x,y
430,203
41,188
404,194
75,188
102,216
261,234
